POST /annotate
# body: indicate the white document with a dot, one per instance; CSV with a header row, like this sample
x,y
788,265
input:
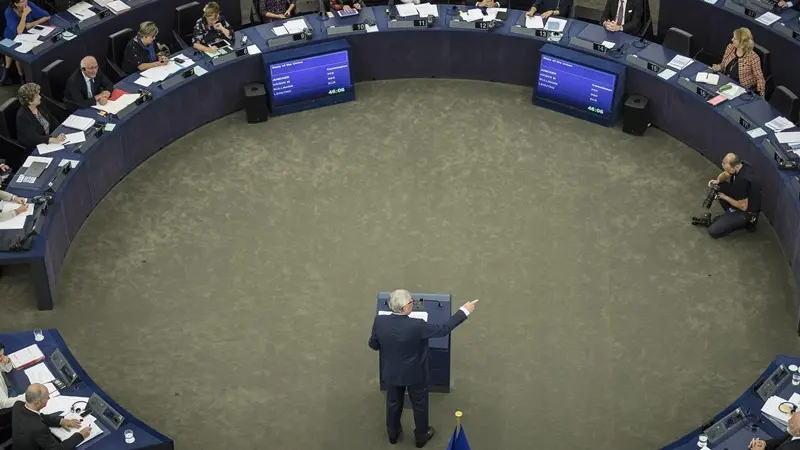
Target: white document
x,y
280,31
414,314
768,18
779,123
556,24
770,409
17,222
75,138
28,354
42,30
117,6
608,44
295,26
370,29
31,160
109,127
734,91
426,9
253,49
534,22
186,61
62,404
708,78
161,73
788,138
113,107
757,132
143,81
72,163
406,9
88,421
489,17
44,149
666,74
26,37
79,122
200,71
52,389
496,10
81,10
39,373
25,47
679,62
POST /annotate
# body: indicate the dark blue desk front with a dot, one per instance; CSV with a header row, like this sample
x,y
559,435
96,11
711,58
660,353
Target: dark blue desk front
x,y
438,307
146,437
441,51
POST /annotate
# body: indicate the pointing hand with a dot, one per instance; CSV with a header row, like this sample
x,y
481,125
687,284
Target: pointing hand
x,y
470,306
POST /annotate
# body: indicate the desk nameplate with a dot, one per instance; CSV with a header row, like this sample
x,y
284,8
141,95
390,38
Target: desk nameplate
x,y
703,93
415,23
643,63
285,40
347,29
733,6
457,23
739,118
588,45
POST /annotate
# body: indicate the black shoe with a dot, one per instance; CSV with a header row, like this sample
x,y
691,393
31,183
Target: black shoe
x,y
428,436
704,221
393,437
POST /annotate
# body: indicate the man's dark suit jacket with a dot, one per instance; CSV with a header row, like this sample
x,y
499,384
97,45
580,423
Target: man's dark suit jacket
x,y
784,442
75,91
31,431
30,132
634,15
403,346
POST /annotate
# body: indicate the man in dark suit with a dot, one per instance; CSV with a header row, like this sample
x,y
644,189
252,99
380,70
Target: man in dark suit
x,y
789,4
87,86
403,346
789,441
624,15
30,430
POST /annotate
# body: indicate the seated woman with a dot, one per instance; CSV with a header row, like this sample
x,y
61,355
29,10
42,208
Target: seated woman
x,y
272,10
210,29
10,214
34,122
549,8
20,16
141,53
741,63
345,5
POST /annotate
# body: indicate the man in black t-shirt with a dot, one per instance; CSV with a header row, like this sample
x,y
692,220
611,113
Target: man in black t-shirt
x,y
739,195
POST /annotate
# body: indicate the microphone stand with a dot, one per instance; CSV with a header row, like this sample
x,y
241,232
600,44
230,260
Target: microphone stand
x,y
323,16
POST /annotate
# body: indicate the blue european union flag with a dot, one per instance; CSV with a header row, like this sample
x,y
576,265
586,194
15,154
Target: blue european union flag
x,y
458,441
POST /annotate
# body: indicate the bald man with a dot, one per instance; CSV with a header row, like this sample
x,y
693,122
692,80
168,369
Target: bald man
x,y
739,195
87,86
30,430
789,441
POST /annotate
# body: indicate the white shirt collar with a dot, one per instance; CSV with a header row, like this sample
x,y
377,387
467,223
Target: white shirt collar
x,y
26,407
794,438
85,78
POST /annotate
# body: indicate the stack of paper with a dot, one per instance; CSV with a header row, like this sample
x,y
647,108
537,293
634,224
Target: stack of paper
x,y
788,137
708,78
406,10
28,355
779,123
115,106
117,6
772,411
768,18
679,62
88,421
426,9
17,222
731,91
295,26
78,122
41,30
81,11
75,138
556,24
160,73
472,15
280,31
534,22
27,42
44,149
39,374
62,404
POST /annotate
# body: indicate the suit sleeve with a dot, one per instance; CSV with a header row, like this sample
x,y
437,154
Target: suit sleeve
x,y
564,8
435,330
635,24
46,441
74,94
105,82
608,11
773,444
373,339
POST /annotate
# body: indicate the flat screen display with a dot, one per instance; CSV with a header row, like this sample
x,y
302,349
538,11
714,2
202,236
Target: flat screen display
x,y
313,77
577,86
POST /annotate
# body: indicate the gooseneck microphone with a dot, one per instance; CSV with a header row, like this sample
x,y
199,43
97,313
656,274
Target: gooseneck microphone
x,y
323,16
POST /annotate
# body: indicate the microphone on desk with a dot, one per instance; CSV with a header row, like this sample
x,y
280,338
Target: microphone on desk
x,y
640,42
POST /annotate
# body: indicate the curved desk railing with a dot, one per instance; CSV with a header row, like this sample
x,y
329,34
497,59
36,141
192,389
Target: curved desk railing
x,y
145,437
500,55
712,26
92,37
736,425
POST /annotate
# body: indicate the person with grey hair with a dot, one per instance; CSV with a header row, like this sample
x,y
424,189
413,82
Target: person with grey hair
x,y
34,122
142,52
789,441
87,86
30,429
403,346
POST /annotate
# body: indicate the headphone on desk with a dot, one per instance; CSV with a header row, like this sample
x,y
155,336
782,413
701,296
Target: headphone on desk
x,y
77,409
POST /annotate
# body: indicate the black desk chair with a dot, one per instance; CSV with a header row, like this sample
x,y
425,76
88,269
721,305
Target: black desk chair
x,y
766,68
255,15
186,16
587,14
54,79
679,41
10,149
786,102
116,52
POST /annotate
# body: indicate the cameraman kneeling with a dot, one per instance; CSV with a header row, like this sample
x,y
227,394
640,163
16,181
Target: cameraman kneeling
x,y
739,195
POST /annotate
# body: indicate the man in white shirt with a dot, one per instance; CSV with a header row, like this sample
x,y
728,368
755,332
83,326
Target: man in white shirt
x,y
7,401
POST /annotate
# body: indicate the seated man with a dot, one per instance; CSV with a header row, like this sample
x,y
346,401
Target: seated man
x,y
739,195
549,8
31,430
87,86
211,29
789,441
783,4
624,15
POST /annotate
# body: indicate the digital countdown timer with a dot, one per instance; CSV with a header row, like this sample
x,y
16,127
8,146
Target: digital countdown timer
x,y
303,79
576,85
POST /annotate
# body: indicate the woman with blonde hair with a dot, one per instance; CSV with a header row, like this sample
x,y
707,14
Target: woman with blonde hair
x,y
142,51
211,29
741,63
